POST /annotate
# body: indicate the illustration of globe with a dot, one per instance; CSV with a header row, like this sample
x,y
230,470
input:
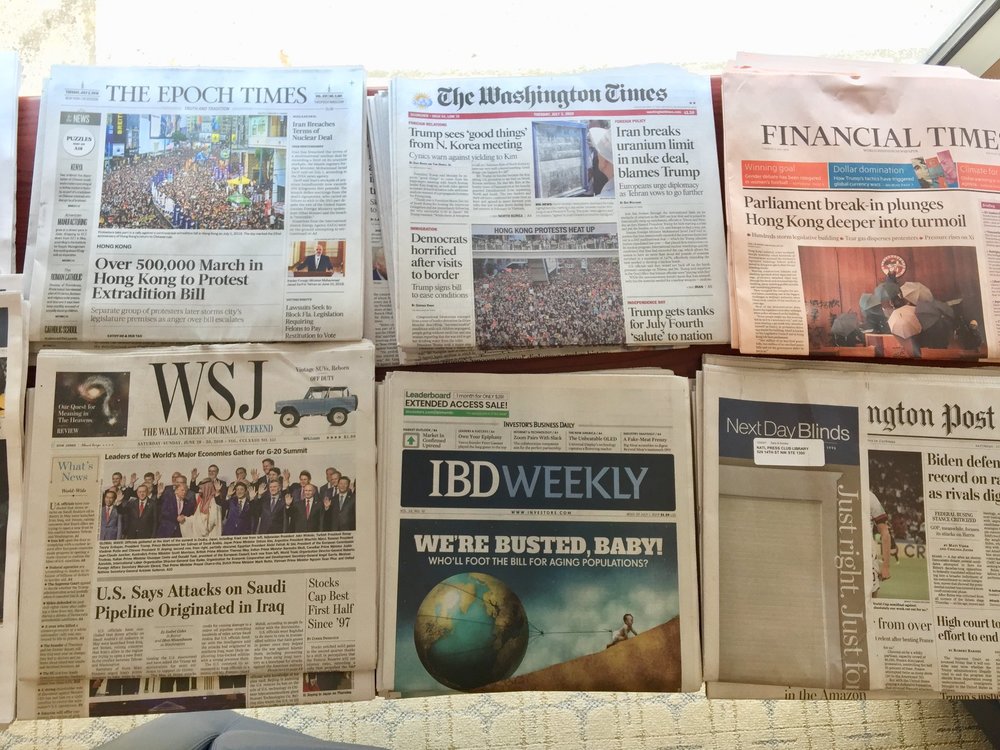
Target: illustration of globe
x,y
470,630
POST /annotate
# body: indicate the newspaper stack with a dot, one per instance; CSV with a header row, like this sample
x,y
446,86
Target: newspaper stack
x,y
863,209
850,530
538,534
13,379
202,528
195,205
558,211
10,82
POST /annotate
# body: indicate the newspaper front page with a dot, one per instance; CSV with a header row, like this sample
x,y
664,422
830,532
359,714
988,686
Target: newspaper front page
x,y
13,379
539,534
199,512
850,531
863,211
557,211
200,205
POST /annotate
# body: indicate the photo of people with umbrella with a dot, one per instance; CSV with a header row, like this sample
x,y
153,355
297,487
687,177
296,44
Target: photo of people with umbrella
x,y
913,302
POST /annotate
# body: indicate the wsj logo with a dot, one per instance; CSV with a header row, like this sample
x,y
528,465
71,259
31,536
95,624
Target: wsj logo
x,y
221,378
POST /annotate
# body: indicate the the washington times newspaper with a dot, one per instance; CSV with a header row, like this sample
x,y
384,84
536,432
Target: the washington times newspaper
x,y
13,376
576,210
538,534
863,209
851,529
203,519
199,205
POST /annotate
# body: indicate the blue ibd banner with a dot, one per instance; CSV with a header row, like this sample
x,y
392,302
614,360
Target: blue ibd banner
x,y
595,481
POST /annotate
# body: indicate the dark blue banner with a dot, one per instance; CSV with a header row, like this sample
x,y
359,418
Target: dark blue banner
x,y
486,479
741,422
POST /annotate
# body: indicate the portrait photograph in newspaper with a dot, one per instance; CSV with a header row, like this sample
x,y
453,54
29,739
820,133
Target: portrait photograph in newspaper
x,y
199,205
527,550
210,514
558,211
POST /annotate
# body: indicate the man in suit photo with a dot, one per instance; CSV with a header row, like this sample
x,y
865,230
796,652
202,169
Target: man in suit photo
x,y
317,262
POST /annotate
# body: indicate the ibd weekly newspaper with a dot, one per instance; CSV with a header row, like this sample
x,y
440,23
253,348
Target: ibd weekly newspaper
x,y
533,543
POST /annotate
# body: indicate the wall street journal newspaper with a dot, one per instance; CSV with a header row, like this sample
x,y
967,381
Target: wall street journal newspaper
x,y
538,534
557,211
850,531
863,210
205,520
199,205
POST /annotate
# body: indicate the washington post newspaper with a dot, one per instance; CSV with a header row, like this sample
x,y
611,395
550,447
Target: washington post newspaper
x,y
200,205
539,534
13,379
850,531
575,210
10,83
864,206
205,520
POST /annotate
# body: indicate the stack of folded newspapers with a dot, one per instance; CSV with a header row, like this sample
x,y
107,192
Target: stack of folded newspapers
x,y
10,80
549,214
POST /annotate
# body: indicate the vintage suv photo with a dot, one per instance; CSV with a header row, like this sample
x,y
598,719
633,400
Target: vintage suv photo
x,y
333,402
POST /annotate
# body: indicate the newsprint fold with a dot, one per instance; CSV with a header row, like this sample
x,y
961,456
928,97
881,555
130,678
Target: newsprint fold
x,y
199,205
851,531
539,534
13,377
863,208
575,210
203,525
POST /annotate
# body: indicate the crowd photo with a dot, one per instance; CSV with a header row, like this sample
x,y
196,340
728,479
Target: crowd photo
x,y
196,503
548,302
193,173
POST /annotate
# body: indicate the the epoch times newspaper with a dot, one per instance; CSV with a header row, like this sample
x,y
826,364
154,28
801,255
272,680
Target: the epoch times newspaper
x,y
539,534
203,526
557,211
850,531
864,217
199,205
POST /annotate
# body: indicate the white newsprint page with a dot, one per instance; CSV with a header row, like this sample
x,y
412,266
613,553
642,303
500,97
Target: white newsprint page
x,y
864,210
10,82
539,534
575,210
203,528
13,376
200,205
851,531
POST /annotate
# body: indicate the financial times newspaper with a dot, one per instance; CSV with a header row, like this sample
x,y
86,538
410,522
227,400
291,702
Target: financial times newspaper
x,y
864,206
539,534
557,211
199,205
850,531
200,513
10,83
13,376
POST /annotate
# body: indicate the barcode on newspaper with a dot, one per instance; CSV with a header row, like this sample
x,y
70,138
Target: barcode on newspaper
x,y
60,329
66,276
71,222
